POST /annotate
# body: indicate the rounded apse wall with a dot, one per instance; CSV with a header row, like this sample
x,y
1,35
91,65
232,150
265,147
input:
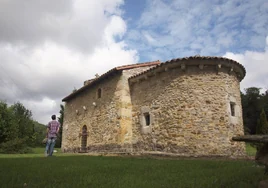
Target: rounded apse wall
x,y
189,107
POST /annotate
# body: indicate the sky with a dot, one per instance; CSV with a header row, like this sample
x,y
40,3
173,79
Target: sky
x,y
48,48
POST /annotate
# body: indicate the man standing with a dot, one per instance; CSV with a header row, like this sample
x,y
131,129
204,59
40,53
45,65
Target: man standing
x,y
53,128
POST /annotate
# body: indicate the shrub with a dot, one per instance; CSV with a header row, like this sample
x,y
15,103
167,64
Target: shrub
x,y
16,145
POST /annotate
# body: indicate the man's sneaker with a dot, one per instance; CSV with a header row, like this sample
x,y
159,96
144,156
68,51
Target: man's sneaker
x,y
46,154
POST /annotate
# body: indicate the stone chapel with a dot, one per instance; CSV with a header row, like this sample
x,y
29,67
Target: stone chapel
x,y
186,106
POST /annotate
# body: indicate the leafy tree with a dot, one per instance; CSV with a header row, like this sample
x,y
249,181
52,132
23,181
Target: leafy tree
x,y
60,119
7,126
264,102
251,105
262,127
24,122
39,133
16,128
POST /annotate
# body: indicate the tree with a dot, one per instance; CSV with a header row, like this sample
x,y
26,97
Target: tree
x,y
7,126
39,133
24,122
251,106
262,127
60,119
264,102
16,129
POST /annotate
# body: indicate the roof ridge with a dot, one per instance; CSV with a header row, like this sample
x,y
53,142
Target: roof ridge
x,y
135,65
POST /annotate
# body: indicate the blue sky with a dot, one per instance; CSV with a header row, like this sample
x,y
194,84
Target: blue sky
x,y
183,28
48,48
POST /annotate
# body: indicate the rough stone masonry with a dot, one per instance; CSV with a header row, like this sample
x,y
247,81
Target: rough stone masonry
x,y
186,106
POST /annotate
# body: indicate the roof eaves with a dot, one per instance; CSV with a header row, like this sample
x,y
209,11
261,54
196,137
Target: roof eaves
x,y
114,70
191,57
132,66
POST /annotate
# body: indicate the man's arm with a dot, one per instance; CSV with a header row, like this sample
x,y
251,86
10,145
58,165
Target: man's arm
x,y
48,127
47,132
58,129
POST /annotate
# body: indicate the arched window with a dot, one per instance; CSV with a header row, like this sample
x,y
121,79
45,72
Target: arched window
x,y
99,93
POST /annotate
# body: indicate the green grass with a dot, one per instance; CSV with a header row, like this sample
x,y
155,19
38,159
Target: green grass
x,y
90,171
251,151
74,170
37,152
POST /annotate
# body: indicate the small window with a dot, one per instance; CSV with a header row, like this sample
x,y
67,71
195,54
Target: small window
x,y
147,119
84,139
99,93
232,106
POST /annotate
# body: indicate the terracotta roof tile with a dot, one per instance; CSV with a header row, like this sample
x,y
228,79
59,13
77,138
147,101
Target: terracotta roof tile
x,y
192,57
124,67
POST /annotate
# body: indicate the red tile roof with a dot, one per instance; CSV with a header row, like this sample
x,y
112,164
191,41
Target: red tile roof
x,y
114,70
125,67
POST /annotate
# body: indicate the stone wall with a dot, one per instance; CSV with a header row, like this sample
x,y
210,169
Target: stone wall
x,y
125,106
189,112
108,122
101,120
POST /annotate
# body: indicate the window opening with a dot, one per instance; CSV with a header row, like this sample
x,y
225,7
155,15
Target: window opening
x,y
232,106
84,139
99,93
147,119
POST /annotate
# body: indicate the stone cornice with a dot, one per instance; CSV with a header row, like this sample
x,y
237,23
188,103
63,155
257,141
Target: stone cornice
x,y
200,61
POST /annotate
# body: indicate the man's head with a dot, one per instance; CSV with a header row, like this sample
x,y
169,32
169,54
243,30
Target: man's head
x,y
53,117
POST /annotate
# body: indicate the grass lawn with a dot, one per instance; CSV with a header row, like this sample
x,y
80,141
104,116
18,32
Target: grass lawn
x,y
250,150
37,152
96,171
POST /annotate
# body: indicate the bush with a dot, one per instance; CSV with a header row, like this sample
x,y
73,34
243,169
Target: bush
x,y
16,145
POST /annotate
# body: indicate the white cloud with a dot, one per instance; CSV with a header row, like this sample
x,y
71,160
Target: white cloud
x,y
202,27
67,47
172,28
47,48
256,64
149,38
155,40
116,27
